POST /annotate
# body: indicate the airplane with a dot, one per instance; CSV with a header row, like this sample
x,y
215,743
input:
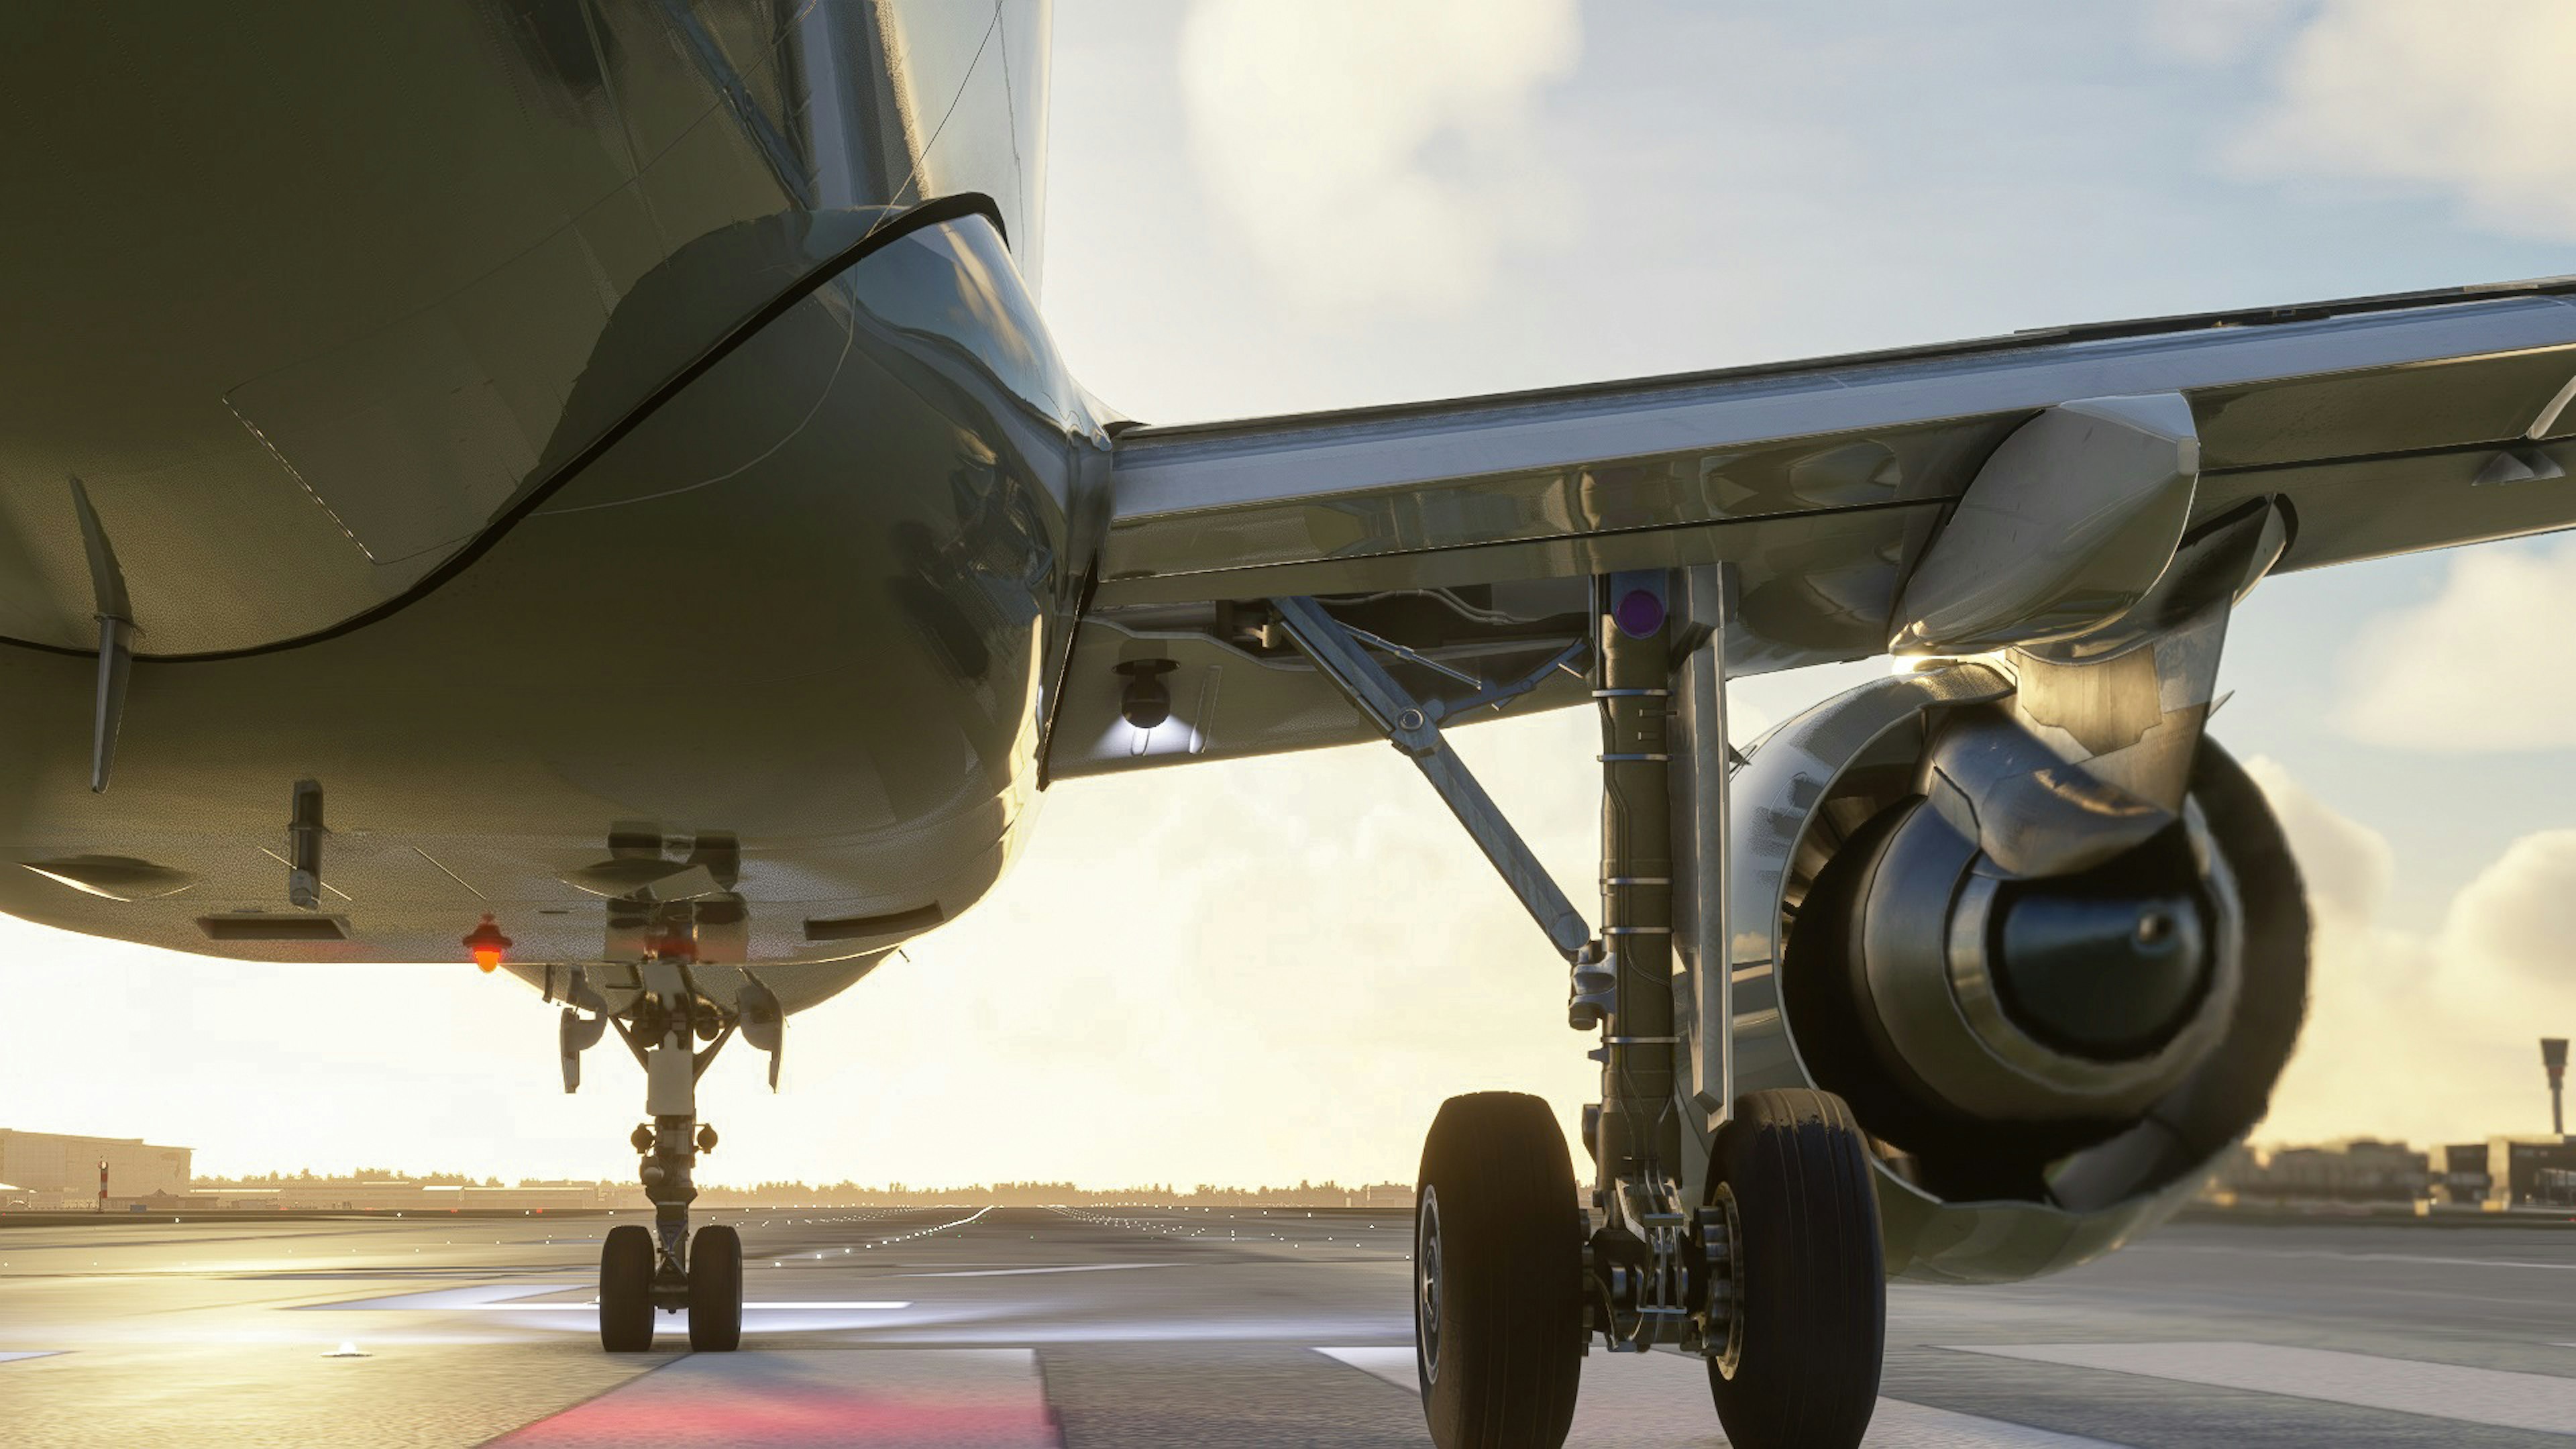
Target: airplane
x,y
585,487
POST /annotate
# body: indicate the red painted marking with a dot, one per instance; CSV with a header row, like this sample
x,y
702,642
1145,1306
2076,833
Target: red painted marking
x,y
930,1398
812,1418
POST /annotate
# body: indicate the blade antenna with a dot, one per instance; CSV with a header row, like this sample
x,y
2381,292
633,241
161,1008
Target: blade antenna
x,y
115,637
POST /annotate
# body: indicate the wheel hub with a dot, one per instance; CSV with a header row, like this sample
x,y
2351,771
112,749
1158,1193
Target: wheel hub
x,y
1717,1319
1426,1285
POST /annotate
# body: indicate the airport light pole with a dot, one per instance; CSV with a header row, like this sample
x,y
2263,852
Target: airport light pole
x,y
2553,1056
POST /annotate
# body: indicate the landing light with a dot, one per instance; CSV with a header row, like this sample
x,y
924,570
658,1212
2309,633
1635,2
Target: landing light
x,y
487,943
1145,701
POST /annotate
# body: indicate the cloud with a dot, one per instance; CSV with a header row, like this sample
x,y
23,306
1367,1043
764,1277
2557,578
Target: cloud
x,y
2346,865
2514,921
2502,607
2428,98
2215,32
1375,154
2426,1037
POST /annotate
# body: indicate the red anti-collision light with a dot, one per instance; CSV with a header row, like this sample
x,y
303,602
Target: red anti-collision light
x,y
487,943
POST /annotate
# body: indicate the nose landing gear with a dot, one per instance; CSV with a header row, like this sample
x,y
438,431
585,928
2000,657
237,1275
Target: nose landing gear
x,y
715,1289
626,1289
666,1267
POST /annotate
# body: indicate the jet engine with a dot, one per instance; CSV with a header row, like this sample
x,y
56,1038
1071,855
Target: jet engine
x,y
2053,992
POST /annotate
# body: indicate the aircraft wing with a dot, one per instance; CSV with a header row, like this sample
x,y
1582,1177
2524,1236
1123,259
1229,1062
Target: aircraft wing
x,y
1464,529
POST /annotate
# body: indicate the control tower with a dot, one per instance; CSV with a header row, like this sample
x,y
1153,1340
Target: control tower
x,y
2553,1058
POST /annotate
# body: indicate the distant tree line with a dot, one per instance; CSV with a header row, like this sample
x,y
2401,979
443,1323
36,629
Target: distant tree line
x,y
1309,1194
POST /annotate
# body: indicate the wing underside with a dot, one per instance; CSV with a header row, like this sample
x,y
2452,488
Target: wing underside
x,y
1465,531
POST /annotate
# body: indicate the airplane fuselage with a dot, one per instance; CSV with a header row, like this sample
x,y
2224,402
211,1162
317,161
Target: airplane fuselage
x,y
737,510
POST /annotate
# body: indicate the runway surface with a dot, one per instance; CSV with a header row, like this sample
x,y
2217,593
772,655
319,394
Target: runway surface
x,y
1019,1327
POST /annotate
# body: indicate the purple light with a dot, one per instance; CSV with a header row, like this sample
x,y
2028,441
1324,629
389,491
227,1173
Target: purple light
x,y
1639,613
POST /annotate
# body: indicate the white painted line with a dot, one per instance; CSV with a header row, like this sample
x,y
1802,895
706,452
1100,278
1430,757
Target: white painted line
x,y
1033,1272
1662,1398
479,1295
1395,1365
2545,1403
879,1305
1900,1425
519,1298
957,1398
2516,1264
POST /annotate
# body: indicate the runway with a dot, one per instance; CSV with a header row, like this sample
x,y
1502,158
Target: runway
x,y
1015,1328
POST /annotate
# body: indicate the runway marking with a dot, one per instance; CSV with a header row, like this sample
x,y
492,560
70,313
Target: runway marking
x,y
479,1296
1663,1397
2545,1403
958,1398
817,1305
1032,1272
2428,1258
515,1298
1395,1365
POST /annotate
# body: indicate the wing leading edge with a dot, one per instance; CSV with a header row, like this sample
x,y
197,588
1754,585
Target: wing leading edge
x,y
2385,425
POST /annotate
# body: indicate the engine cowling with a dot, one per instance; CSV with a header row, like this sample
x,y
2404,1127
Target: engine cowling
x,y
2050,1007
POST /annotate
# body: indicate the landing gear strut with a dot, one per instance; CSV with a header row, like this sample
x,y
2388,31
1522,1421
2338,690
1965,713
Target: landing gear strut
x,y
1743,1232
666,1267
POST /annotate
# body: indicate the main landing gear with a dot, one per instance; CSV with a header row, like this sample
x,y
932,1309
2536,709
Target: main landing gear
x,y
1742,1231
667,1267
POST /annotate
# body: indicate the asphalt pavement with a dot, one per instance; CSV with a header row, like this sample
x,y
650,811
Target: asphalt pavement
x,y
1008,1328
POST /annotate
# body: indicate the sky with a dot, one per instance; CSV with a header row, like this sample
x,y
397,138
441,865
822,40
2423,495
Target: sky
x,y
1275,969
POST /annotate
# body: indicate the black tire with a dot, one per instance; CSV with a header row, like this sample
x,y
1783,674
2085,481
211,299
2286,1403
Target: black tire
x,y
1811,1289
715,1290
1498,1276
626,1264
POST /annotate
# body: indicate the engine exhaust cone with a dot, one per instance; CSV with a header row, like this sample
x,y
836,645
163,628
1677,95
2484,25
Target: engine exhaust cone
x,y
2106,975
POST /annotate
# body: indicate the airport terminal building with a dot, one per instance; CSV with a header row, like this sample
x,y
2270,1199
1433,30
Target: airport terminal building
x,y
2501,1174
2504,1173
48,1170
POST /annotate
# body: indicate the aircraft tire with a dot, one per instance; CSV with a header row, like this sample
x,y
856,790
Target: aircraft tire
x,y
1811,1295
1498,1276
626,1289
715,1290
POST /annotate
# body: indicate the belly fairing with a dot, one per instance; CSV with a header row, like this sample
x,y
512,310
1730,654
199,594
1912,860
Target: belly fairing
x,y
807,609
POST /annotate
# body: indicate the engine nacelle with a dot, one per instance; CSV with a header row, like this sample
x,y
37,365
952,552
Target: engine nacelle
x,y
2051,1004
